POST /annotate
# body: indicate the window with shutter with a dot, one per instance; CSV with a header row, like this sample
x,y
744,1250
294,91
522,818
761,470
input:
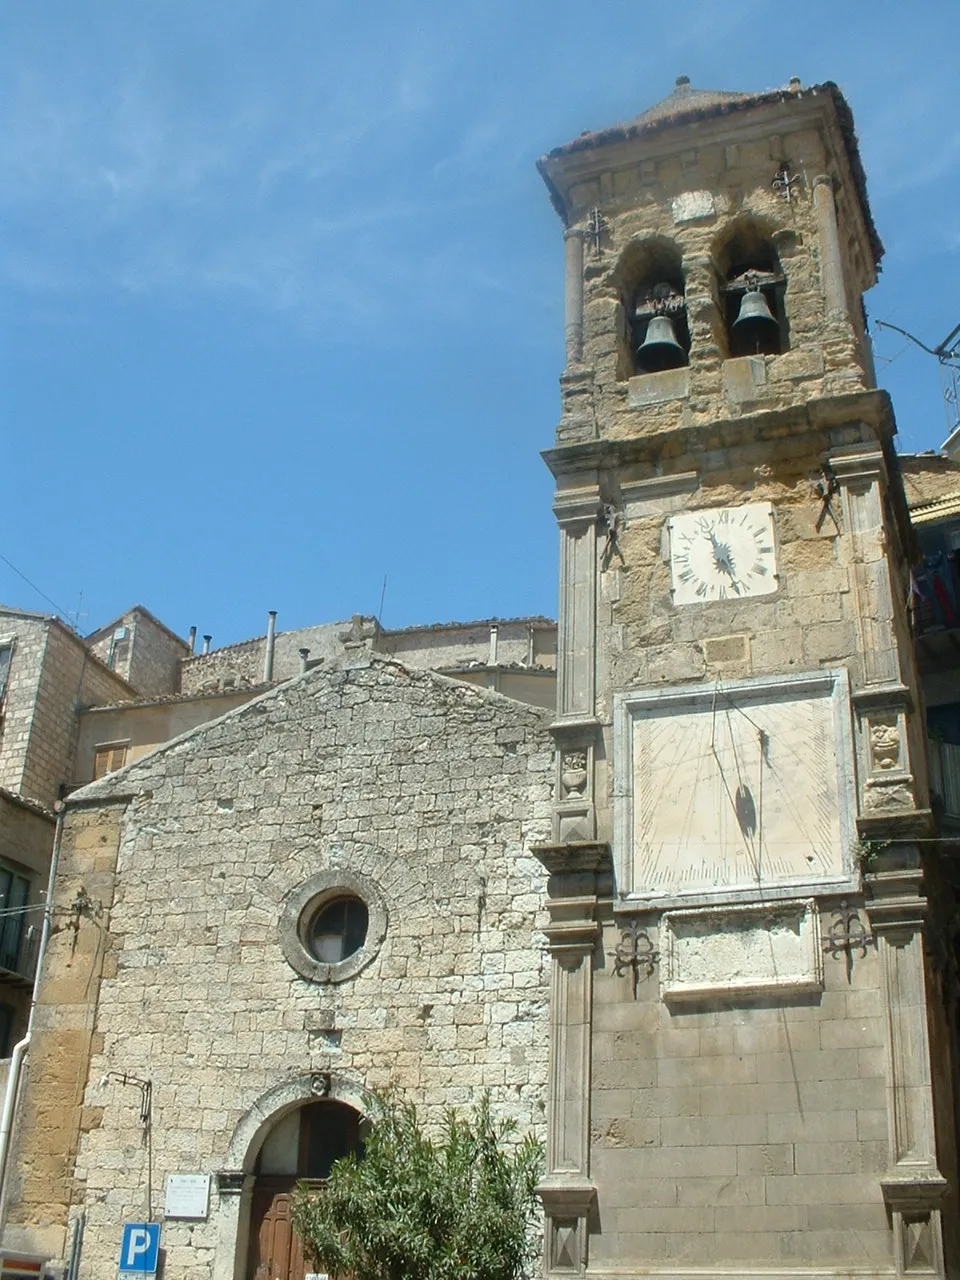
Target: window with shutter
x,y
109,758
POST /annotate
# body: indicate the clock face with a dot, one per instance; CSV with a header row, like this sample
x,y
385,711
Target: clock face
x,y
727,553
743,787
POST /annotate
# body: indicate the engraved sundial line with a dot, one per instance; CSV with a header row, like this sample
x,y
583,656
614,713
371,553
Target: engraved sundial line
x,y
796,792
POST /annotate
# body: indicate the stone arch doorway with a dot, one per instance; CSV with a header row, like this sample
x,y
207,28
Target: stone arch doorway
x,y
243,1171
301,1147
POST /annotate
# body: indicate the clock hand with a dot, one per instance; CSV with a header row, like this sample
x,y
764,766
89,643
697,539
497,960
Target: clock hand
x,y
721,558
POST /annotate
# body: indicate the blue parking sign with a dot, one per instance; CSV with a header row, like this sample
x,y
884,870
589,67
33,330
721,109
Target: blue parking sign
x,y
140,1249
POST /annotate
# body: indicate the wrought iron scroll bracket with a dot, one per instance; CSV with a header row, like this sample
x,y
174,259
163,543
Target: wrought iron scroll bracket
x,y
635,951
847,935
596,226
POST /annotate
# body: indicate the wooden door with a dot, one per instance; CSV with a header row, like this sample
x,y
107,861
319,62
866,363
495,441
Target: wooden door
x,y
275,1249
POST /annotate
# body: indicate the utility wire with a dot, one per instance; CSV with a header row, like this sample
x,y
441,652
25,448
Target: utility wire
x,y
63,612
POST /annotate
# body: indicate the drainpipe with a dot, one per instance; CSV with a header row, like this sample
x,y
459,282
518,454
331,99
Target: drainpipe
x,y
271,646
19,1054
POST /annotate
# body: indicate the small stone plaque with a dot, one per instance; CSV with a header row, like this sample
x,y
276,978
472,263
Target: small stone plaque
x,y
741,951
691,206
187,1195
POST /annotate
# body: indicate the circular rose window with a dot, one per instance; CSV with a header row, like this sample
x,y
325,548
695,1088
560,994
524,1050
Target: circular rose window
x,y
332,926
337,930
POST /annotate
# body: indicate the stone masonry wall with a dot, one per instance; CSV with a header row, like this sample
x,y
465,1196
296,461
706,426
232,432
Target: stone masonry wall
x,y
242,664
753,1134
431,790
690,205
70,678
422,647
149,658
29,638
155,655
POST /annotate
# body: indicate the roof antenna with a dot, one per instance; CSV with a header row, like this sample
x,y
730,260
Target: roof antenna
x,y
383,594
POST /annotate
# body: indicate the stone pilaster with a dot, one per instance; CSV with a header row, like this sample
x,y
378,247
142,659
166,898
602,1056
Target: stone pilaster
x,y
578,872
913,1186
831,256
575,729
573,295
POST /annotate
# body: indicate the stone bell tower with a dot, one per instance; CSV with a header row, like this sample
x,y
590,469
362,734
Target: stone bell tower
x,y
745,1030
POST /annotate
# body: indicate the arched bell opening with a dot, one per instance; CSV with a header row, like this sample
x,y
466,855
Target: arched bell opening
x,y
655,334
301,1147
752,289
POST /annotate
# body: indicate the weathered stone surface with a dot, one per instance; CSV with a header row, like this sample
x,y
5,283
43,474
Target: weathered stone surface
x,y
431,790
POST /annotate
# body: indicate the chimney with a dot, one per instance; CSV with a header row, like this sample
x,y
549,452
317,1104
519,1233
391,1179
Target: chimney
x,y
271,646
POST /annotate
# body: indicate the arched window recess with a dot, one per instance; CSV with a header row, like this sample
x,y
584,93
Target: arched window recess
x,y
661,332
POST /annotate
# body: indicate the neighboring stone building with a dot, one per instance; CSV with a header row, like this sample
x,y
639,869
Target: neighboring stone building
x,y
46,675
742,1042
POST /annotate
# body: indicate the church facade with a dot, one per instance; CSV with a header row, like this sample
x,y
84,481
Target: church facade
x,y
696,926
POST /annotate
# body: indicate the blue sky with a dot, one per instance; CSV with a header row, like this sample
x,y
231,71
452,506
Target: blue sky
x,y
282,290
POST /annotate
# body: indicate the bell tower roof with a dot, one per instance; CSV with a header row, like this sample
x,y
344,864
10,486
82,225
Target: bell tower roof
x,y
685,98
687,106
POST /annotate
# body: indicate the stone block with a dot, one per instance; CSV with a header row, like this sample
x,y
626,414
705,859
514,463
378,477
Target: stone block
x,y
682,1131
719,1070
658,388
841,1157
825,1188
721,1191
745,379
813,1127
809,1064
852,1034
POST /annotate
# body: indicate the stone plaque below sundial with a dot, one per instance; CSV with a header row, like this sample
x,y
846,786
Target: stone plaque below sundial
x,y
732,790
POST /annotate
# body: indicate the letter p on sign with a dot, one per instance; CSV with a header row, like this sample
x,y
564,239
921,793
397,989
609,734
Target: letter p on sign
x,y
139,1249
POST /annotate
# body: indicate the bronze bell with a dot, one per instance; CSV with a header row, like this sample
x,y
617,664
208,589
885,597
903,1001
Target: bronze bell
x,y
755,321
660,348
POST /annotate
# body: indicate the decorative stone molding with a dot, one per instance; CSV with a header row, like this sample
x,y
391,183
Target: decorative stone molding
x,y
573,295
577,511
913,1186
567,1203
578,874
683,813
307,898
861,473
659,495
831,254
740,951
574,810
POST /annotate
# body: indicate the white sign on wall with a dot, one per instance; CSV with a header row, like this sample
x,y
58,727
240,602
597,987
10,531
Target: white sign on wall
x,y
188,1195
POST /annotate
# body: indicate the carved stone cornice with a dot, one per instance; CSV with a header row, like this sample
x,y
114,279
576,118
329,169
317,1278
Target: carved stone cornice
x,y
914,1190
566,1196
584,856
869,409
863,463
896,900
896,825
879,697
577,506
584,727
